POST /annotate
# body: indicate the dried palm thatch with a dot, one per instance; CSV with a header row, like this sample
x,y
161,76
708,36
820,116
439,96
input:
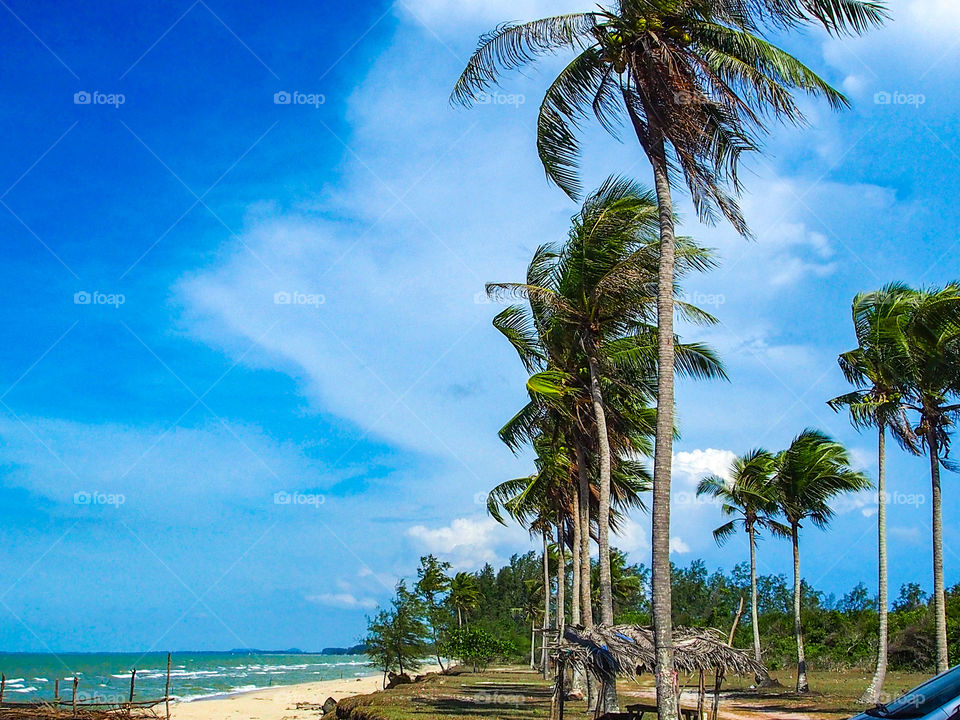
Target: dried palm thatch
x,y
628,650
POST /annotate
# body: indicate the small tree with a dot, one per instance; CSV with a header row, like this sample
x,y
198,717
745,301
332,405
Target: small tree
x,y
397,639
377,643
409,631
432,583
476,646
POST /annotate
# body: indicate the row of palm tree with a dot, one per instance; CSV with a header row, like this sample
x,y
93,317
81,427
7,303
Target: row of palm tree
x,y
696,81
779,492
906,374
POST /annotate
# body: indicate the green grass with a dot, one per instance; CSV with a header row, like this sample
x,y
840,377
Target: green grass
x,y
520,694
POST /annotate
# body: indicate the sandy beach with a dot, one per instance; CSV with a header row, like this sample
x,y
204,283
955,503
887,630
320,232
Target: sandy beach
x,y
279,703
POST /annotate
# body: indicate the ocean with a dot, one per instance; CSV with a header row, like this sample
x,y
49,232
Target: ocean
x,y
105,677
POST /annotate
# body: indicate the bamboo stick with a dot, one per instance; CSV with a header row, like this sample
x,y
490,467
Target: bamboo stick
x,y
133,681
76,681
166,692
3,686
56,690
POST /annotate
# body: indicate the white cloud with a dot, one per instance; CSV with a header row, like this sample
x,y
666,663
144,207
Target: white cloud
x,y
690,467
677,545
906,534
467,542
342,600
158,470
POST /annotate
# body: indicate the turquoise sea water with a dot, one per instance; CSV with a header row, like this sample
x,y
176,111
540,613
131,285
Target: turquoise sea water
x,y
106,677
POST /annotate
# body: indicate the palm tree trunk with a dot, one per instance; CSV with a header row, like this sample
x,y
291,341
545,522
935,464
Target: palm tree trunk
x,y
578,681
939,600
561,580
586,591
533,640
662,599
459,617
802,685
575,561
754,613
871,696
603,511
545,659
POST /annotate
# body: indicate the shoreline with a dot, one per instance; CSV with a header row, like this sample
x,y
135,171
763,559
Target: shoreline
x,y
279,702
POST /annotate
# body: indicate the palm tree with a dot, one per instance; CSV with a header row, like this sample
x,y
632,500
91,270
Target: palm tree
x,y
807,476
530,610
597,294
749,499
464,595
875,368
932,334
694,78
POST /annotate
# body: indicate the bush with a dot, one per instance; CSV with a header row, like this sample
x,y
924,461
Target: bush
x,y
476,647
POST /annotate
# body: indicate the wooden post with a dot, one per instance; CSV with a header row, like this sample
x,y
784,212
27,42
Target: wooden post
x,y
56,691
166,692
736,622
716,694
3,686
76,681
133,681
701,691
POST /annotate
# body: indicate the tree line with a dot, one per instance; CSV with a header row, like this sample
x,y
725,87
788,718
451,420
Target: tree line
x,y
504,604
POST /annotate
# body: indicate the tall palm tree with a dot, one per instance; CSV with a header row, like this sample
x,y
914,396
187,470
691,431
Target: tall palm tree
x,y
464,595
932,334
807,476
694,79
876,369
750,500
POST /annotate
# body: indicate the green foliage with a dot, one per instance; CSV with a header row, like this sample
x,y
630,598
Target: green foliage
x,y
476,646
397,638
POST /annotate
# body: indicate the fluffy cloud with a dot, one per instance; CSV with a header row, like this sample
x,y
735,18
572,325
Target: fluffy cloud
x,y
342,600
467,542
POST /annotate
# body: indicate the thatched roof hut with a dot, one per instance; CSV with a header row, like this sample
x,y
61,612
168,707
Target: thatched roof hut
x,y
628,650
607,651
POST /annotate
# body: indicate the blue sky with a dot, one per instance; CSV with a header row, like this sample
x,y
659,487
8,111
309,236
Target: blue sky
x,y
189,212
